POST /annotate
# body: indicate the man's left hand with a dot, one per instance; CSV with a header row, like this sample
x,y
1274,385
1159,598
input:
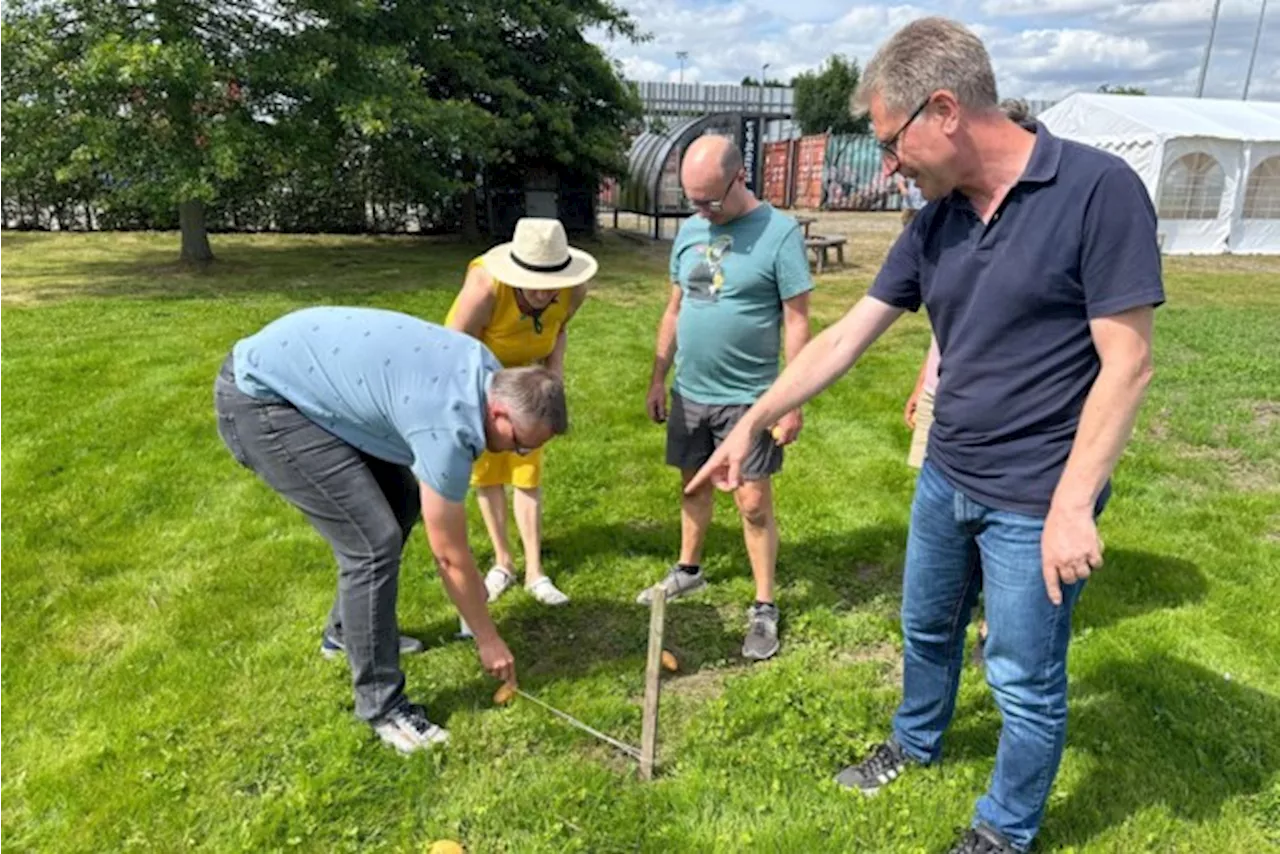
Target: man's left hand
x,y
787,430
1069,549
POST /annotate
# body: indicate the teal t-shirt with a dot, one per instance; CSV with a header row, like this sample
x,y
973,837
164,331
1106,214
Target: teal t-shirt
x,y
396,387
734,278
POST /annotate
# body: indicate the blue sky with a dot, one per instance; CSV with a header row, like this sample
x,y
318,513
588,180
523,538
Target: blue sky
x,y
1040,48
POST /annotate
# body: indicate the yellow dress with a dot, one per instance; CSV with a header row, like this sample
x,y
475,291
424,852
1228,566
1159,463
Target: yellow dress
x,y
517,340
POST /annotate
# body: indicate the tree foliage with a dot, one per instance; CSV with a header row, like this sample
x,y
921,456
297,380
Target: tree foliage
x,y
309,112
1108,89
822,98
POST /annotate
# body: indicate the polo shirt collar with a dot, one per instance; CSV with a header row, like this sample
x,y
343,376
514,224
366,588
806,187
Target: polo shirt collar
x,y
1043,165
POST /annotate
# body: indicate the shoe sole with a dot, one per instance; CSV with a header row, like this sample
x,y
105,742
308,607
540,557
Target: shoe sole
x,y
871,792
643,598
407,749
764,656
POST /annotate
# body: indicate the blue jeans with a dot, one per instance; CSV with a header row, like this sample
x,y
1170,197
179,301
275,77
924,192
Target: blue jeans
x,y
955,547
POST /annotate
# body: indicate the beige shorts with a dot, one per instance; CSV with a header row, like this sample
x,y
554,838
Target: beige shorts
x,y
920,437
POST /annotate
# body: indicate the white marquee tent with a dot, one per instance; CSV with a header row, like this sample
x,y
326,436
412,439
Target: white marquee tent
x,y
1212,167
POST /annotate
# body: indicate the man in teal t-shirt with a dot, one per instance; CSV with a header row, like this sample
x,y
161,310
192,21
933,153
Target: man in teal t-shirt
x,y
740,293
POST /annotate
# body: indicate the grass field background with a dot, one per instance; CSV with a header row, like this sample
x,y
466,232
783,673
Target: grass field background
x,y
162,689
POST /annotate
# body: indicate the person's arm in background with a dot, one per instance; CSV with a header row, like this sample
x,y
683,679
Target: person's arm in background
x,y
795,284
473,307
664,355
556,360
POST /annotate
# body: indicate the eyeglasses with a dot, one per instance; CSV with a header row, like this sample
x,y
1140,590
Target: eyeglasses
x,y
889,147
521,449
715,205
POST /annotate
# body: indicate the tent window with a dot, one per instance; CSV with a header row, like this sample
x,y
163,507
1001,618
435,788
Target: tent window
x,y
1192,188
1262,193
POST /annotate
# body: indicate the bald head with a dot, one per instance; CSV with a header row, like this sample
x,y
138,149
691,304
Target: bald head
x,y
708,174
717,156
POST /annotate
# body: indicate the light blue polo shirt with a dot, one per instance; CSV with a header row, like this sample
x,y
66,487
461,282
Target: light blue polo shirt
x,y
396,387
734,279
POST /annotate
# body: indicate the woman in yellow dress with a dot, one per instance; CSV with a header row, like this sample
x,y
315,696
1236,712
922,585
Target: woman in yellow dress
x,y
518,299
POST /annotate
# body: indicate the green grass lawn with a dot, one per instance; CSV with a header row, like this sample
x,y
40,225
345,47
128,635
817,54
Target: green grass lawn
x,y
162,689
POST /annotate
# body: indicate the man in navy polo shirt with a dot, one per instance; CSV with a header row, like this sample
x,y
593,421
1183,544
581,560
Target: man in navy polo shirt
x,y
1038,263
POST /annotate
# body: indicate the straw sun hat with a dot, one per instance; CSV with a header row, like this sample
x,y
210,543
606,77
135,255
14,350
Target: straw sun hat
x,y
539,258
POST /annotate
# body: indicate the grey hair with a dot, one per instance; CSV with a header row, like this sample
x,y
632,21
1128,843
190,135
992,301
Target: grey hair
x,y
535,393
1016,110
924,56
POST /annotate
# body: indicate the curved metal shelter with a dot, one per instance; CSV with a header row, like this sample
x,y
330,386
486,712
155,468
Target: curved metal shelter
x,y
652,185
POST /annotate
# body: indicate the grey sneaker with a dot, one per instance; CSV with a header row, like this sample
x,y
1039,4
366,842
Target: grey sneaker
x,y
762,632
407,729
677,583
331,647
883,766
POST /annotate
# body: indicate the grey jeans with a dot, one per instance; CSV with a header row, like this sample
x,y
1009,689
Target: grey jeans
x,y
364,507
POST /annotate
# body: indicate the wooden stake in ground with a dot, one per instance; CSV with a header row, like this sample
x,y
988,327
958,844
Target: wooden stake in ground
x,y
652,683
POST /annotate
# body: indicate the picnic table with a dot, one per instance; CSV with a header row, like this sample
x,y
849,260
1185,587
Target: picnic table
x,y
820,245
805,222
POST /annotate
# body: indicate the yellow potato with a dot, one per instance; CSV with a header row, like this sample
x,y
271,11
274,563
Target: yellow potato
x,y
669,661
505,694
445,846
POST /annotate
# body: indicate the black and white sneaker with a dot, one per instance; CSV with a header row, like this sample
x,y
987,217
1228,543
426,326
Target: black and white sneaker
x,y
885,764
983,840
407,729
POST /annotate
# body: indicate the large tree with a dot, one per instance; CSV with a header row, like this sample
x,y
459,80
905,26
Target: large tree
x,y
164,104
555,99
822,98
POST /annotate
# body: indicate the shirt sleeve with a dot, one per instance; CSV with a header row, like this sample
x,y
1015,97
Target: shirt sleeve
x,y
1119,252
791,266
442,462
898,282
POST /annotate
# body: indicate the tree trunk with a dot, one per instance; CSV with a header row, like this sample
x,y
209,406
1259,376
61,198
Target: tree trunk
x,y
195,237
469,229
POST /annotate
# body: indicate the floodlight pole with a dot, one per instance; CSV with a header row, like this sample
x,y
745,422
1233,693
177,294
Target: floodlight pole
x,y
1208,49
1253,57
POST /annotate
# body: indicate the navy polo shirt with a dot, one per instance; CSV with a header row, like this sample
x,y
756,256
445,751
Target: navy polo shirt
x,y
1010,302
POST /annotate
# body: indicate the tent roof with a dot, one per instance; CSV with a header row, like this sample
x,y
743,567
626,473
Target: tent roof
x,y
1085,115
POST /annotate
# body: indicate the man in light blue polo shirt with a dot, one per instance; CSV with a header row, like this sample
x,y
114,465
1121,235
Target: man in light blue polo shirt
x,y
365,419
1037,260
739,297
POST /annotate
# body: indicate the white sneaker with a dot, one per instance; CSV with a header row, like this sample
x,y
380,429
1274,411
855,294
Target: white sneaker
x,y
464,631
546,592
499,581
407,729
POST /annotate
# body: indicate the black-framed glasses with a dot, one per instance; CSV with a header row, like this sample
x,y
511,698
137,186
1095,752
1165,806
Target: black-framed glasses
x,y
715,205
520,448
889,147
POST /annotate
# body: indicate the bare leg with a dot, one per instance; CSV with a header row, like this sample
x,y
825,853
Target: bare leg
x,y
760,531
493,507
527,504
695,519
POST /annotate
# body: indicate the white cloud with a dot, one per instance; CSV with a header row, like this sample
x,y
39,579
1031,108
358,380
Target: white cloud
x,y
1040,48
1043,8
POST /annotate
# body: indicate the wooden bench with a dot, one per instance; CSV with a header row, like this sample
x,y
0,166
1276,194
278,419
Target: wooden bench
x,y
820,246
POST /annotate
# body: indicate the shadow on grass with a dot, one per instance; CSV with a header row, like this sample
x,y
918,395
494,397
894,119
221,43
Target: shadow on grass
x,y
1132,583
327,267
591,637
289,268
836,569
1164,732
